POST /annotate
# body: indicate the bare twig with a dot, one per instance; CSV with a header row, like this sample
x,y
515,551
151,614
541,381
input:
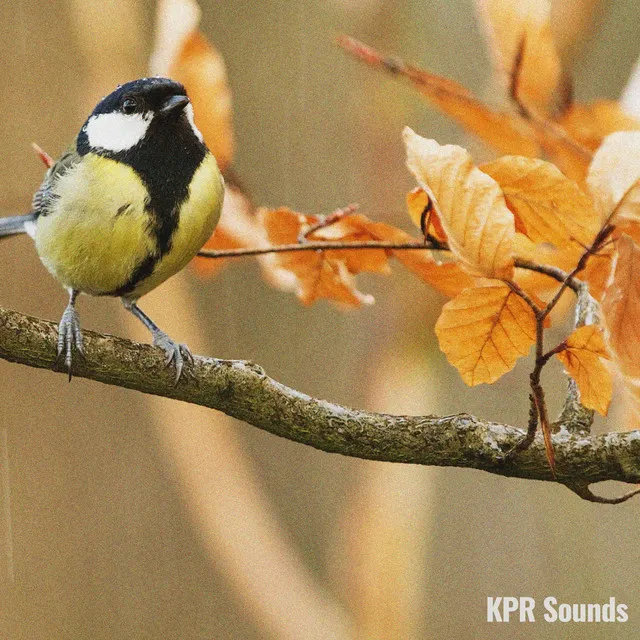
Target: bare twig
x,y
585,493
524,295
553,272
538,410
431,243
317,246
599,240
327,221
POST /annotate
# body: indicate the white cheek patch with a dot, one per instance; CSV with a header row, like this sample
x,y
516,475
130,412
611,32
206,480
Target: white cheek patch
x,y
188,110
116,131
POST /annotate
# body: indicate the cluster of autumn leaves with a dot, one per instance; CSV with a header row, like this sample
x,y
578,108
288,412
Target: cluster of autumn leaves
x,y
484,229
524,211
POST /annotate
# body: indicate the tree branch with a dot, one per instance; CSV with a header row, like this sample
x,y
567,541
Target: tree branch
x,y
243,391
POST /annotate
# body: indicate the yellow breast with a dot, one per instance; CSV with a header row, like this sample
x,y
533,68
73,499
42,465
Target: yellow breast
x,y
199,216
98,230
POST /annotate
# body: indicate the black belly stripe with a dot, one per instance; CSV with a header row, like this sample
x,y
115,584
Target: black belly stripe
x,y
165,161
142,271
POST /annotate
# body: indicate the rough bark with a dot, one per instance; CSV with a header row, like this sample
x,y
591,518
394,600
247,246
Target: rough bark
x,y
244,391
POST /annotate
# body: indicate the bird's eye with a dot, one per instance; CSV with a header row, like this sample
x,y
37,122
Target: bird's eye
x,y
129,105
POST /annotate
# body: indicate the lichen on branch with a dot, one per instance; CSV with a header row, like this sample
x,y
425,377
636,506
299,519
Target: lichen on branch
x,y
244,391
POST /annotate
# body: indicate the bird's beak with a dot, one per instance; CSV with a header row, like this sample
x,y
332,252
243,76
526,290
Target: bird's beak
x,y
174,104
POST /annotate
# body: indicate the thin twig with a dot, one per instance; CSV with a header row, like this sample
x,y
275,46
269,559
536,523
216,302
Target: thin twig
x,y
319,246
539,409
425,217
517,289
599,240
553,272
585,493
432,244
327,221
537,393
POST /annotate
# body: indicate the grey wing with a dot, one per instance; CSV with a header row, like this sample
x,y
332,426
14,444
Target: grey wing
x,y
44,196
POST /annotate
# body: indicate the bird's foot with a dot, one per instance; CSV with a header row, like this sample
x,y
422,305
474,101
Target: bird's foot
x,y
176,353
69,335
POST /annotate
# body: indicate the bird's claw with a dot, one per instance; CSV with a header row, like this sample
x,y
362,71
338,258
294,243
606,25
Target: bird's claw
x,y
176,352
69,335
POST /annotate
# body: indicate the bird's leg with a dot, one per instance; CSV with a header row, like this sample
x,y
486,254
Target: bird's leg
x,y
176,352
69,332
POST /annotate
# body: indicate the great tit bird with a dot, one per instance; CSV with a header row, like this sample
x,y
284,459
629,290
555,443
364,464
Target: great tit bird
x,y
127,206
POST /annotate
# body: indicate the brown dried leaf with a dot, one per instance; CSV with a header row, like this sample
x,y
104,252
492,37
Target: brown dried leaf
x,y
446,277
581,357
614,176
597,273
519,35
356,228
479,226
621,308
484,330
505,132
546,204
184,54
316,275
589,124
537,284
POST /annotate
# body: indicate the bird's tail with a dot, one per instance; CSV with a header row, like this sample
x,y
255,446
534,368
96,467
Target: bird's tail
x,y
17,224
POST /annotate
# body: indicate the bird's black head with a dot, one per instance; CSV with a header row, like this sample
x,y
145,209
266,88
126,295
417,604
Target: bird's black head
x,y
150,112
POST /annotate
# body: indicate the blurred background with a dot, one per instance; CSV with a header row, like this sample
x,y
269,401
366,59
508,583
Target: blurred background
x,y
139,517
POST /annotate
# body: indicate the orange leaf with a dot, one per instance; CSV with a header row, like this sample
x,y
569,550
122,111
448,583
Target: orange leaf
x,y
581,357
479,226
589,124
621,308
184,54
520,42
505,132
446,277
614,176
598,272
539,253
315,275
355,228
573,162
484,330
549,206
